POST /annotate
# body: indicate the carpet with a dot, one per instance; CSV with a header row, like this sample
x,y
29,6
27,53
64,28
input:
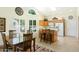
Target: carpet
x,y
42,49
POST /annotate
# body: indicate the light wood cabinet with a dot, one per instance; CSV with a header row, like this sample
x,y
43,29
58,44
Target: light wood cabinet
x,y
43,23
54,35
46,36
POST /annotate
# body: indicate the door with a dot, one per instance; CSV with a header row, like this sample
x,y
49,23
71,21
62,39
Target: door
x,y
71,27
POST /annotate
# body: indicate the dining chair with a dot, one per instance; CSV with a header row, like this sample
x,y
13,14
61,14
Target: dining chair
x,y
6,45
12,34
27,43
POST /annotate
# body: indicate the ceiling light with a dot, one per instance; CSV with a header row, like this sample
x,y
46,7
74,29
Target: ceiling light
x,y
43,8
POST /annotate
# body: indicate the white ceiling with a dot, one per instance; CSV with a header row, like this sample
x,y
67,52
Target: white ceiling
x,y
47,11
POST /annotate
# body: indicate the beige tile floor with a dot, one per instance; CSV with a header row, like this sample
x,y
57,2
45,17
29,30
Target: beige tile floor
x,y
63,44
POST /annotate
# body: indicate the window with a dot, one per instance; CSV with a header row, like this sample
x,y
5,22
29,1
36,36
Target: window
x,y
32,12
22,25
34,22
30,22
32,25
18,24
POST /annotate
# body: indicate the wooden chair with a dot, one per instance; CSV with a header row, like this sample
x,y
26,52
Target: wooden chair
x,y
24,46
28,36
48,36
41,35
12,33
42,38
27,43
6,45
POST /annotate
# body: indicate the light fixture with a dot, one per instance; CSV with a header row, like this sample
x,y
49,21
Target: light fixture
x,y
43,8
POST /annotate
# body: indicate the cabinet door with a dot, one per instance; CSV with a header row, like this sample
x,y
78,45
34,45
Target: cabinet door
x,y
41,23
45,23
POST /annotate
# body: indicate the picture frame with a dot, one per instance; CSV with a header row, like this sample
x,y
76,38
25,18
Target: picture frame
x,y
2,24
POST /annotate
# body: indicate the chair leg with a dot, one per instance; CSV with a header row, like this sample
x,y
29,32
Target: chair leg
x,y
30,49
6,50
34,45
17,50
3,50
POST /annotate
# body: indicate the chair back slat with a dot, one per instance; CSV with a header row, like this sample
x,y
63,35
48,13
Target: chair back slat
x,y
27,44
27,41
27,36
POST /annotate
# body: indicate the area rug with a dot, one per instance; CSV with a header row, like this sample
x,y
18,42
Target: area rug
x,y
37,49
42,49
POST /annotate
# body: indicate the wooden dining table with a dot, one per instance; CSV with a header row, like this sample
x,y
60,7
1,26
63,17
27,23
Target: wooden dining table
x,y
17,41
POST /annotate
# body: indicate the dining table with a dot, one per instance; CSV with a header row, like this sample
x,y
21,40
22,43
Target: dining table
x,y
18,40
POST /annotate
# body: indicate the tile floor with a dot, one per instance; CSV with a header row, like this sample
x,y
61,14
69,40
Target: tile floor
x,y
63,44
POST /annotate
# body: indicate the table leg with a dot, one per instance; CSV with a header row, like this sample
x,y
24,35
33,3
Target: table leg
x,y
34,44
14,48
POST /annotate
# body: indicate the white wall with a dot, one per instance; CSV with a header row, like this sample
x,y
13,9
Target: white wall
x,y
71,25
9,14
78,22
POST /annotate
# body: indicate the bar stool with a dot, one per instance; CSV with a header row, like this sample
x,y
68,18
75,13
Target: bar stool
x,y
48,37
